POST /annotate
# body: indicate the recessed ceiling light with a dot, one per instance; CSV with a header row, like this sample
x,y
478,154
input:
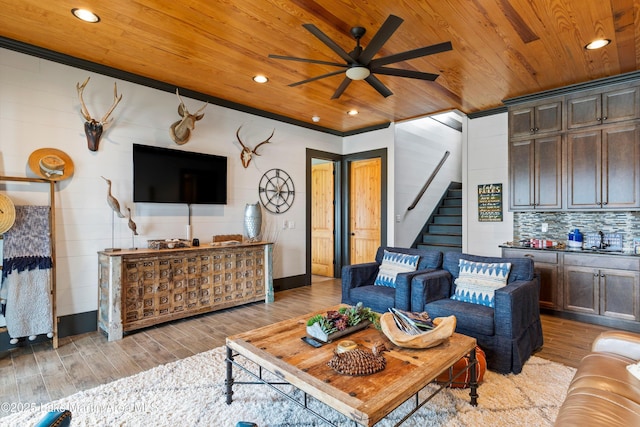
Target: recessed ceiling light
x,y
316,119
352,112
85,15
597,44
260,79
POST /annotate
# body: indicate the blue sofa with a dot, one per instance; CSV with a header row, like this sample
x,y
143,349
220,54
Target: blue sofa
x,y
358,279
509,332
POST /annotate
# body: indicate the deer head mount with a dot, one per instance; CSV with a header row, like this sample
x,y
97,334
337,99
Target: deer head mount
x,y
93,128
181,130
246,154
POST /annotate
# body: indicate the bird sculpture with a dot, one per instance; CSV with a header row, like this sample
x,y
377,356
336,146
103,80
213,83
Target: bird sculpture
x,y
112,201
359,362
131,224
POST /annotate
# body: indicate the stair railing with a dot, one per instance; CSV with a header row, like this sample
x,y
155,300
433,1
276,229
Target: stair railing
x,y
428,183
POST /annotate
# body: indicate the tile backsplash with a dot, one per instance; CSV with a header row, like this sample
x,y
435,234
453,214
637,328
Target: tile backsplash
x,y
527,225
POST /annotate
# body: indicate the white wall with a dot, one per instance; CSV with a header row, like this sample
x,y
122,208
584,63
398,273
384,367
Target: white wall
x,y
485,160
419,146
39,108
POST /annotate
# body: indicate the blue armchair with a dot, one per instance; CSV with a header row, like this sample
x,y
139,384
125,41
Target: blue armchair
x,y
358,280
510,331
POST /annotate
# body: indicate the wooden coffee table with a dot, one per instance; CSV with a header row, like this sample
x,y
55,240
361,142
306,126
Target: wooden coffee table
x,y
278,348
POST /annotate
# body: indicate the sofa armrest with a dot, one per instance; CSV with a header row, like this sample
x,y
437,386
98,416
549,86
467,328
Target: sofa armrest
x,y
623,343
516,305
428,287
403,288
357,275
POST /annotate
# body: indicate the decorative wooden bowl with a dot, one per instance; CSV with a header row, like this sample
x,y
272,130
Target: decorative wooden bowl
x,y
445,326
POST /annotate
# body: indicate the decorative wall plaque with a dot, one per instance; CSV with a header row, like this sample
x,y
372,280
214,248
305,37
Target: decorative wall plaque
x,y
490,203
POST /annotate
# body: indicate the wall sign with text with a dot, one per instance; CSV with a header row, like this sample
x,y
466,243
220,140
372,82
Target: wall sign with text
x,y
490,202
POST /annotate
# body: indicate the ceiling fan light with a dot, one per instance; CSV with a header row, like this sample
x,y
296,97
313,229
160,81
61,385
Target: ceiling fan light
x,y
260,78
358,73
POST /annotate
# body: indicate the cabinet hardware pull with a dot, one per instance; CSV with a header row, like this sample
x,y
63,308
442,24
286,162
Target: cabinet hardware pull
x,y
532,130
596,275
537,129
528,256
605,118
599,119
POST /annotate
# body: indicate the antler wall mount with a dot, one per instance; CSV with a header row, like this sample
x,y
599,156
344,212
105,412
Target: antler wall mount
x,y
246,154
94,128
181,130
359,63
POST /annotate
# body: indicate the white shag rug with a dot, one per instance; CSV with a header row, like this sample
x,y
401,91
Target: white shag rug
x,y
190,392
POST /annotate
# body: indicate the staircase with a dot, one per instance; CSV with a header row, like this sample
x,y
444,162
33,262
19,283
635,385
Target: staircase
x,y
443,231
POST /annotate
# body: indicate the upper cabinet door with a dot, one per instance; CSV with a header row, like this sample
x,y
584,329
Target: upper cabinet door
x,y
598,107
584,169
534,119
621,167
535,174
603,168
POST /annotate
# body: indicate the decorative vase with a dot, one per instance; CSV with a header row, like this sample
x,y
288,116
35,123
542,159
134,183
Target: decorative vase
x,y
252,221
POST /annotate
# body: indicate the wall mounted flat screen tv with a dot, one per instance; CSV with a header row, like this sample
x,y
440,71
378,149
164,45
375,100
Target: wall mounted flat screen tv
x,y
162,175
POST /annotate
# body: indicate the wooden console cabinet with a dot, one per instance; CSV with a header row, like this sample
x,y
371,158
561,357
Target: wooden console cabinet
x,y
144,287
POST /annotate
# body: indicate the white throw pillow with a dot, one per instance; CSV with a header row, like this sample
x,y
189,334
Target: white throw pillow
x,y
392,264
478,281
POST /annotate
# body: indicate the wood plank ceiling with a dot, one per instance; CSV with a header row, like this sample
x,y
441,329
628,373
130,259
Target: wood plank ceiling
x,y
501,49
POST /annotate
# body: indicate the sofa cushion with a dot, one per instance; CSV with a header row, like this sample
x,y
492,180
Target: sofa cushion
x,y
378,298
593,407
477,281
607,371
392,264
473,319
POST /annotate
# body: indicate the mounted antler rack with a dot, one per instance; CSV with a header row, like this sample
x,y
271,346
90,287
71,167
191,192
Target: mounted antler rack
x,y
53,244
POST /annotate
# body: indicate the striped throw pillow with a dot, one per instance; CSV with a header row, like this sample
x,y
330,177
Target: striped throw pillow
x,y
478,281
392,264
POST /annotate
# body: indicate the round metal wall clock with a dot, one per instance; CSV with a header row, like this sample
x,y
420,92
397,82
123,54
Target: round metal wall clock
x,y
276,191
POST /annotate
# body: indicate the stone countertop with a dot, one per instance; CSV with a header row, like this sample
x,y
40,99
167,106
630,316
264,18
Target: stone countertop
x,y
571,250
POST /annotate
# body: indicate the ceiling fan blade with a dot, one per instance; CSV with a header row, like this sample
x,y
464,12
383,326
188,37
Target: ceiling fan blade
x,y
380,38
411,54
313,79
326,40
312,61
405,73
341,88
378,85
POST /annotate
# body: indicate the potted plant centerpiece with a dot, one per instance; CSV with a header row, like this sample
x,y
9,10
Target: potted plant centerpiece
x,y
337,323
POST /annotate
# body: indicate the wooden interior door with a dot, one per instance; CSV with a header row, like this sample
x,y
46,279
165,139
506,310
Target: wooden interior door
x,y
322,219
365,200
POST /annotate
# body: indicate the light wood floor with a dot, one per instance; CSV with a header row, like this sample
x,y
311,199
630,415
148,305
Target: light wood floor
x,y
38,374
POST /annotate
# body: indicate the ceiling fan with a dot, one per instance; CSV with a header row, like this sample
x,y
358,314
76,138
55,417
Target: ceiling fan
x,y
359,63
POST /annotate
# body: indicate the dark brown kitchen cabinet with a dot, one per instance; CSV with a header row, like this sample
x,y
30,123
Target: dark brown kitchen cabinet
x,y
535,119
603,168
535,173
594,285
603,107
546,268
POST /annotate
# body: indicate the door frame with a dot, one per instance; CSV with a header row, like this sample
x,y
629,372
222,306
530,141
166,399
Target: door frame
x,y
341,203
346,165
337,207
